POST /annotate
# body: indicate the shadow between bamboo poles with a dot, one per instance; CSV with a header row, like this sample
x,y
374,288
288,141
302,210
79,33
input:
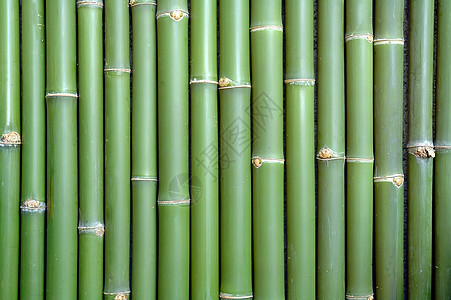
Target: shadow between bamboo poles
x,y
300,149
331,148
91,152
117,149
62,167
442,163
144,151
388,171
32,249
420,149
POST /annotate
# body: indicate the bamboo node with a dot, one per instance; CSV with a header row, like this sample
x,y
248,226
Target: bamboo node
x,y
31,203
11,137
366,36
366,297
176,15
424,152
120,297
257,162
224,81
398,181
325,153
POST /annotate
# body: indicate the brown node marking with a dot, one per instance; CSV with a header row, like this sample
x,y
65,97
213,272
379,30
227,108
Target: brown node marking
x,y
11,137
31,203
257,162
224,81
176,15
369,38
120,297
100,232
424,152
326,153
398,182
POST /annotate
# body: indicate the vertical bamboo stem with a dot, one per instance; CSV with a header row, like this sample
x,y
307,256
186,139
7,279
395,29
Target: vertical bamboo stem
x,y
300,143
173,116
144,151
420,148
388,171
9,148
235,150
442,167
117,150
204,152
90,226
267,152
331,151
359,149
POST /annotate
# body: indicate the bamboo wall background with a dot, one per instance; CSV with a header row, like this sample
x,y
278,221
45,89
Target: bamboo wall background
x,y
136,278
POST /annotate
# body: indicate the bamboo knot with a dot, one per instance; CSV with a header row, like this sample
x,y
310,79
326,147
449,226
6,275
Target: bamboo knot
x,y
424,152
31,203
398,180
257,162
11,138
224,81
176,15
120,297
325,153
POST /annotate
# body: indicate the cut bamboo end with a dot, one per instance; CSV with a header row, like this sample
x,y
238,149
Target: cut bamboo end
x,y
61,95
175,14
32,205
11,138
388,42
139,178
173,202
301,81
328,154
266,27
367,297
230,296
258,161
119,70
366,36
135,3
359,160
422,151
90,3
98,229
396,179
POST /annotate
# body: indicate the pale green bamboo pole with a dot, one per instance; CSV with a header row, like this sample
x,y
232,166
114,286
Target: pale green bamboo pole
x,y
331,151
9,148
144,151
420,149
359,149
300,143
388,170
204,152
90,225
442,164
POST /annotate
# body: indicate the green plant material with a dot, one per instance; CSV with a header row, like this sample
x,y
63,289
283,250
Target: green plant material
x,y
9,148
300,151
420,149
442,167
235,150
173,146
331,150
204,152
62,166
90,226
388,171
144,151
359,149
267,154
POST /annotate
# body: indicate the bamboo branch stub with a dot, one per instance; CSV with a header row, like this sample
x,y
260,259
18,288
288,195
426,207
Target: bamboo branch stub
x,y
11,138
422,151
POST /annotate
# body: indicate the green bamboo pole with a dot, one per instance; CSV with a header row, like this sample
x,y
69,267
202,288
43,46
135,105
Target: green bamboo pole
x,y
32,249
9,148
235,151
300,151
173,116
359,149
442,167
90,226
388,171
144,151
62,183
331,150
420,149
204,152
267,148
117,150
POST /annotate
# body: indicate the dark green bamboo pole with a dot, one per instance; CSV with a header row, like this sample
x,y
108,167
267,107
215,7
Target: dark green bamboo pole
x,y
300,151
117,150
62,167
359,149
331,150
90,226
173,137
388,171
420,149
442,167
204,152
144,151
32,249
235,150
267,148
9,148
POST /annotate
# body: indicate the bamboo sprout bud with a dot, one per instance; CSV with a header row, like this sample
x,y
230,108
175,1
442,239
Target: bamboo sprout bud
x,y
424,152
11,137
31,203
326,153
398,181
176,15
120,297
224,81
257,162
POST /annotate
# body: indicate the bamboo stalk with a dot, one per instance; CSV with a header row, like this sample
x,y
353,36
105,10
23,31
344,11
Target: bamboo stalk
x,y
235,151
117,150
300,151
331,150
90,227
388,171
9,148
173,194
442,167
359,149
204,152
267,148
32,250
144,151
420,148
62,183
